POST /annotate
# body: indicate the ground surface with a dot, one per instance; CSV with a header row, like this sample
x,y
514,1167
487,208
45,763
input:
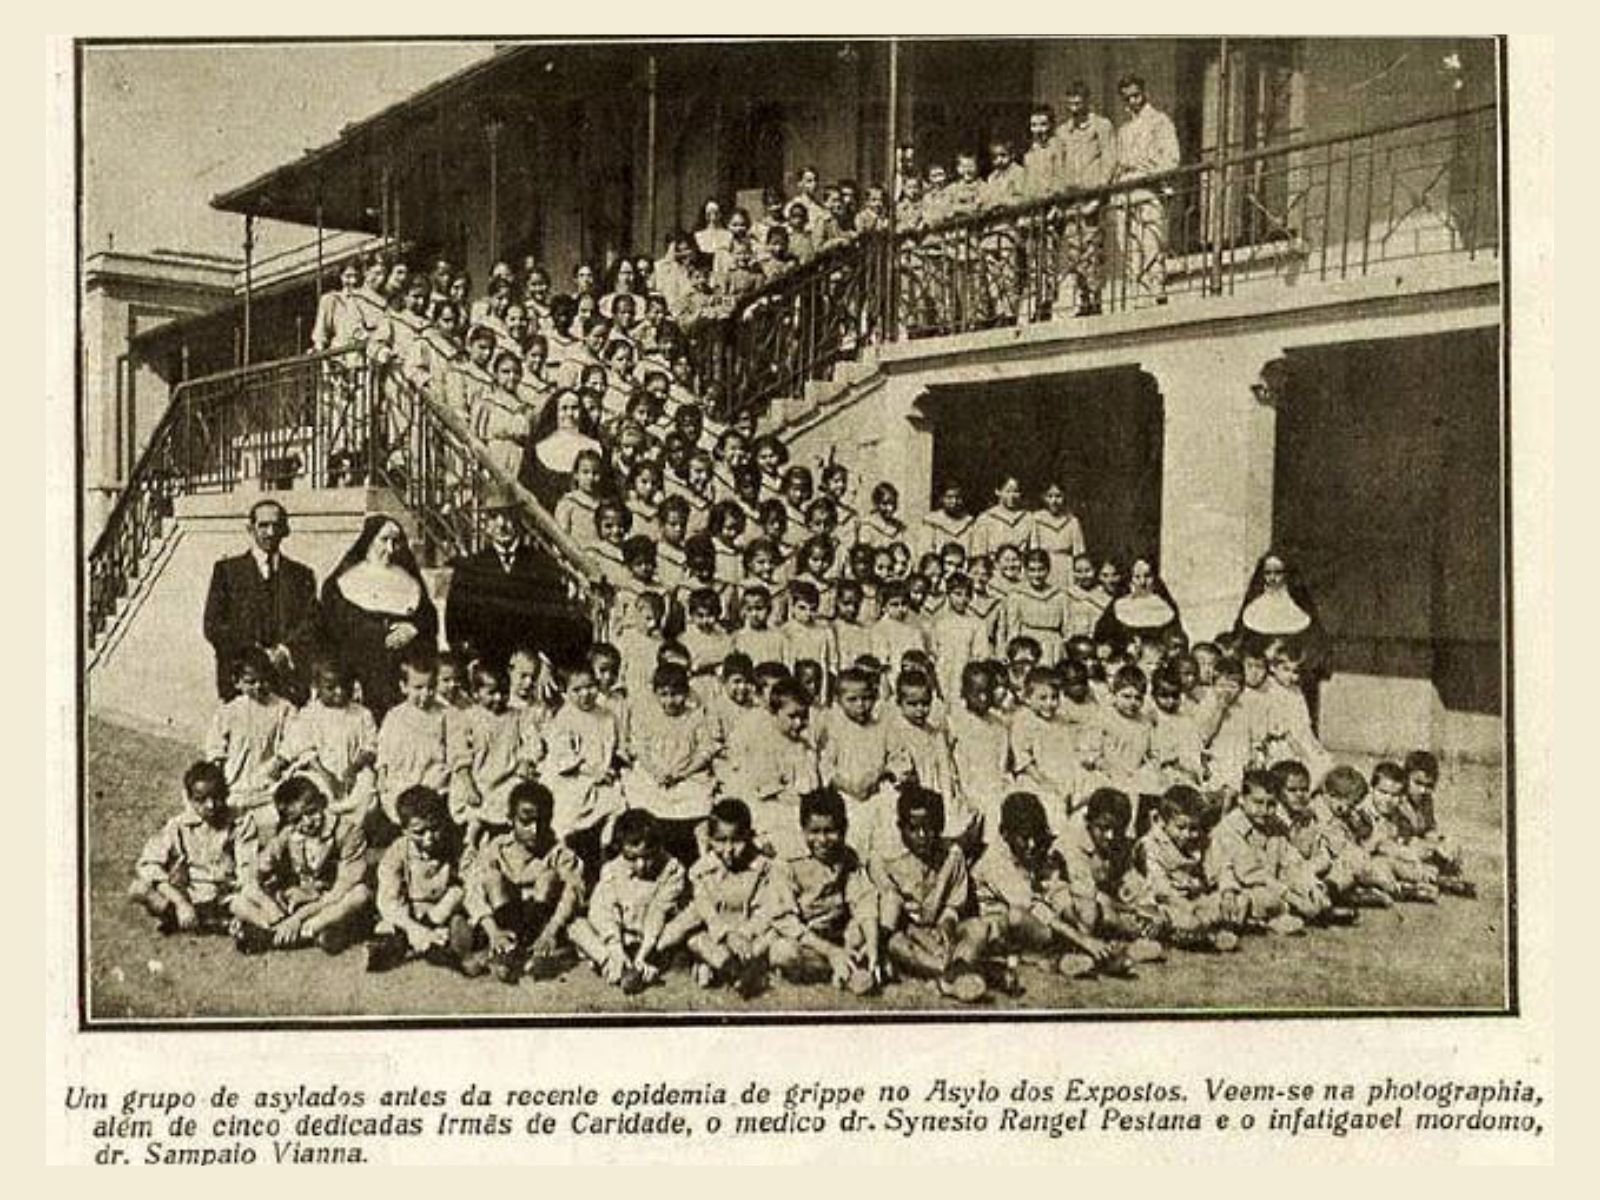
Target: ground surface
x,y
1414,957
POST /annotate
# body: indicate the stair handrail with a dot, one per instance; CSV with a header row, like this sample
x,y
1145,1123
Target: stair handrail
x,y
353,403
159,475
418,404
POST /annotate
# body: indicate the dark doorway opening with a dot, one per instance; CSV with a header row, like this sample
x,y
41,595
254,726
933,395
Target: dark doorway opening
x,y
1387,498
1096,432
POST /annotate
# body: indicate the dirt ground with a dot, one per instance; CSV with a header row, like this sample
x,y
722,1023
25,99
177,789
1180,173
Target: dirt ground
x,y
1449,956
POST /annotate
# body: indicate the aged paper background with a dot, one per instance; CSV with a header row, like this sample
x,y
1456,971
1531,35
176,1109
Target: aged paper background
x,y
1321,1050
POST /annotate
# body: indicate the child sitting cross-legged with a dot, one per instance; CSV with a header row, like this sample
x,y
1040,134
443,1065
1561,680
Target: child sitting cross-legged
x,y
1021,883
309,884
420,892
1169,874
825,908
728,921
1095,851
928,912
1378,881
524,888
641,888
1261,881
1438,849
187,876
1323,844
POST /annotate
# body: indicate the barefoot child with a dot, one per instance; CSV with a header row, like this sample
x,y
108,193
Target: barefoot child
x,y
728,922
928,911
1021,884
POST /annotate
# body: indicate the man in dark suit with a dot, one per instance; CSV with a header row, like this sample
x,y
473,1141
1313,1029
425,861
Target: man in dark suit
x,y
260,598
510,594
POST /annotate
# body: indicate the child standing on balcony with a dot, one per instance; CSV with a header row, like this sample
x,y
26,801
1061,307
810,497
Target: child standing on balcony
x,y
374,331
339,314
410,321
437,353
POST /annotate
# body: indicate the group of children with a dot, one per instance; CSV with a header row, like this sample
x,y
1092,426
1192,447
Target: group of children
x,y
810,737
757,801
500,359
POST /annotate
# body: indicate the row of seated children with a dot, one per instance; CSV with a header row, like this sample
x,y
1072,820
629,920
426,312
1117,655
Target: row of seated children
x,y
1089,901
600,756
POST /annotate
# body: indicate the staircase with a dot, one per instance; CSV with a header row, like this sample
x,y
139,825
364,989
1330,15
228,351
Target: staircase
x,y
333,437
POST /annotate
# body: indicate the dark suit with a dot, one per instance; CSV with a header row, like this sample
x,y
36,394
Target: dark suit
x,y
244,610
495,609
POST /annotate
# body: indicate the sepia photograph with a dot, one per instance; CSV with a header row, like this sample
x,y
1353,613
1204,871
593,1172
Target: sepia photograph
x,y
611,531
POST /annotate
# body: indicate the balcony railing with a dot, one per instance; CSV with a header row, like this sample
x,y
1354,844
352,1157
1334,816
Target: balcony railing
x,y
1326,209
334,419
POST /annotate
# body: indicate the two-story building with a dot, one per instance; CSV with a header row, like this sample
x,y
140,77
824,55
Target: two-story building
x,y
1321,371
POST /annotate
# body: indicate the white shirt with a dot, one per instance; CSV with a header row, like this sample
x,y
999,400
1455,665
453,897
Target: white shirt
x,y
266,563
1147,144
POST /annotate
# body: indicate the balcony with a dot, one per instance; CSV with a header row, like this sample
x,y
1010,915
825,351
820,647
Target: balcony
x,y
1229,236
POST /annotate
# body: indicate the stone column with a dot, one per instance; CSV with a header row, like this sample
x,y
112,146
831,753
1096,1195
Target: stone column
x,y
1217,468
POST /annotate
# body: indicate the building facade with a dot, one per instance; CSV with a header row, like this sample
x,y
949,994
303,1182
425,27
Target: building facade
x,y
1321,372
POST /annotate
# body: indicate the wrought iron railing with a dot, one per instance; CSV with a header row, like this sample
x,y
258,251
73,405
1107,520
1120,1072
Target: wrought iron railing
x,y
795,328
324,420
1331,208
